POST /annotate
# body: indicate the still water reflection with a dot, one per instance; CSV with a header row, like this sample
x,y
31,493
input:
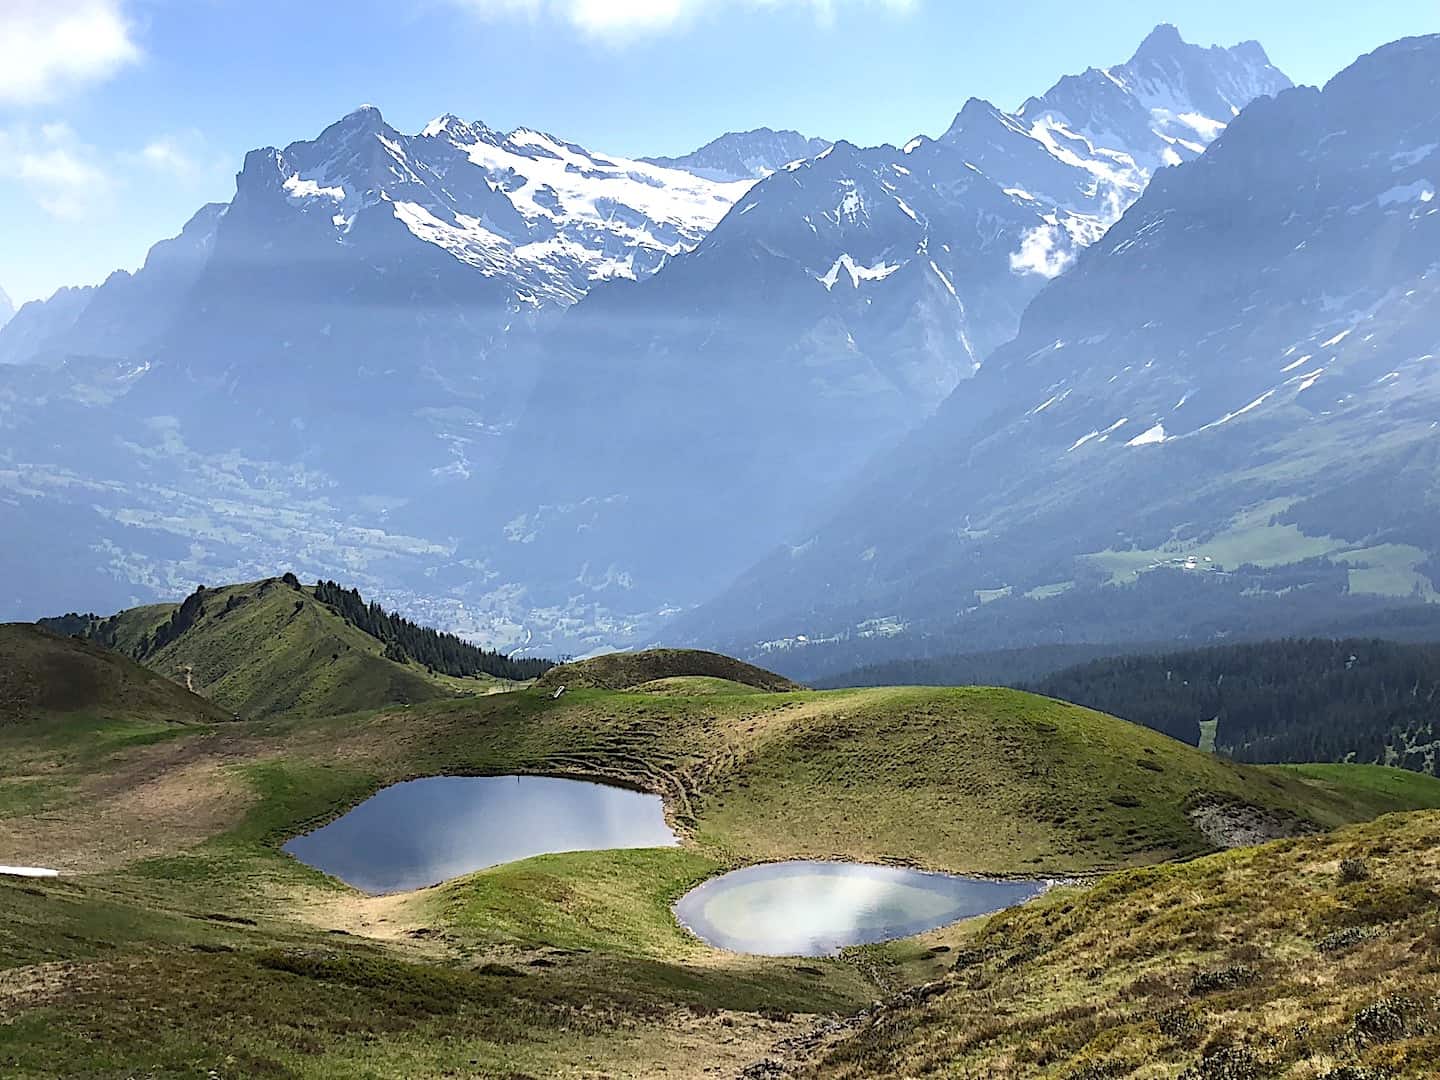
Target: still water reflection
x,y
427,831
815,908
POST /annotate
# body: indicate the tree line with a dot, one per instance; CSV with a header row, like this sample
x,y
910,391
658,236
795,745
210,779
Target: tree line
x,y
405,641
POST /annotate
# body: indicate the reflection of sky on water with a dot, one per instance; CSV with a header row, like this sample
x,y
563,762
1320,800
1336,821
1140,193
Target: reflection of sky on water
x,y
814,908
427,831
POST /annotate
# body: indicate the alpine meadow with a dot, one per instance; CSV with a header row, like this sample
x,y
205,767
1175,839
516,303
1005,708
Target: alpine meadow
x,y
778,596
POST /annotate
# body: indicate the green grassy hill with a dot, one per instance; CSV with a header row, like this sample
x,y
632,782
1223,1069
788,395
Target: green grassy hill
x,y
180,902
628,670
1308,959
267,648
44,677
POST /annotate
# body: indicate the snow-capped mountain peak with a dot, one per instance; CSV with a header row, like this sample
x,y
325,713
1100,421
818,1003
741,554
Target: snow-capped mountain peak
x,y
527,207
1088,147
1163,106
7,308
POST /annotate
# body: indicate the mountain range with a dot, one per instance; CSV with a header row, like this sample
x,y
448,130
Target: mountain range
x,y
682,425
1220,421
358,282
553,398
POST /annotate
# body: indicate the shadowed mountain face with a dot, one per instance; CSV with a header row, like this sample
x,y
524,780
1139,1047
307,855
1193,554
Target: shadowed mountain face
x,y
681,427
548,395
536,219
364,277
299,364
1222,420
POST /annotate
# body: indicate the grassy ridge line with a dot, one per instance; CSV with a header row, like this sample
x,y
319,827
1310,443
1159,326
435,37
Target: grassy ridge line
x,y
629,670
1383,789
264,649
967,780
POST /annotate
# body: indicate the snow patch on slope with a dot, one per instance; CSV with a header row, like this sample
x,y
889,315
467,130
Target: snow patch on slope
x,y
1153,437
879,272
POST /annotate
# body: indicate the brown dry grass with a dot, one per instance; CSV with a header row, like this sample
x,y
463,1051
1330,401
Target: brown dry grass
x,y
1152,972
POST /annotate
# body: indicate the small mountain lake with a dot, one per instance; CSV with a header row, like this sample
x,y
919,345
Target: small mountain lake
x,y
423,832
817,908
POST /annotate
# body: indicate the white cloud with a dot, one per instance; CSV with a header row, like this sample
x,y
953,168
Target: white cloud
x,y
57,170
605,16
72,180
50,46
166,154
625,18
1043,251
182,155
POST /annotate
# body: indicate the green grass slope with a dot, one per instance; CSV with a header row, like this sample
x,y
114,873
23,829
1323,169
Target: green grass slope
x,y
967,780
264,648
628,670
984,780
182,905
47,677
1310,959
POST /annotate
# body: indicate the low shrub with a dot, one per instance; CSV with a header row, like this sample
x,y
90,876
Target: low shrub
x,y
1228,978
1179,1024
1348,938
1387,1020
1227,1063
1354,869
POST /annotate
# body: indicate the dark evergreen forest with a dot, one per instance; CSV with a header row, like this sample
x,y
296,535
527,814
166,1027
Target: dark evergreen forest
x,y
405,640
1002,667
1275,701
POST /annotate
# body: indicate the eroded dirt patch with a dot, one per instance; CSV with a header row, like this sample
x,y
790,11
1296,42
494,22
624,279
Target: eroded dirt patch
x,y
111,824
25,988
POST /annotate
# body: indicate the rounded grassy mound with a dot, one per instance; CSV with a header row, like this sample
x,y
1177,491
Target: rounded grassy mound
x,y
631,670
43,675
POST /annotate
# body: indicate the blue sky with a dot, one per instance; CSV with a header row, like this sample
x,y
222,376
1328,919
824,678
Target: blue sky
x,y
119,118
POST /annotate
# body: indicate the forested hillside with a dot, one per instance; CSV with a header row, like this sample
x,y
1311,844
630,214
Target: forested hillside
x,y
1293,700
405,641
